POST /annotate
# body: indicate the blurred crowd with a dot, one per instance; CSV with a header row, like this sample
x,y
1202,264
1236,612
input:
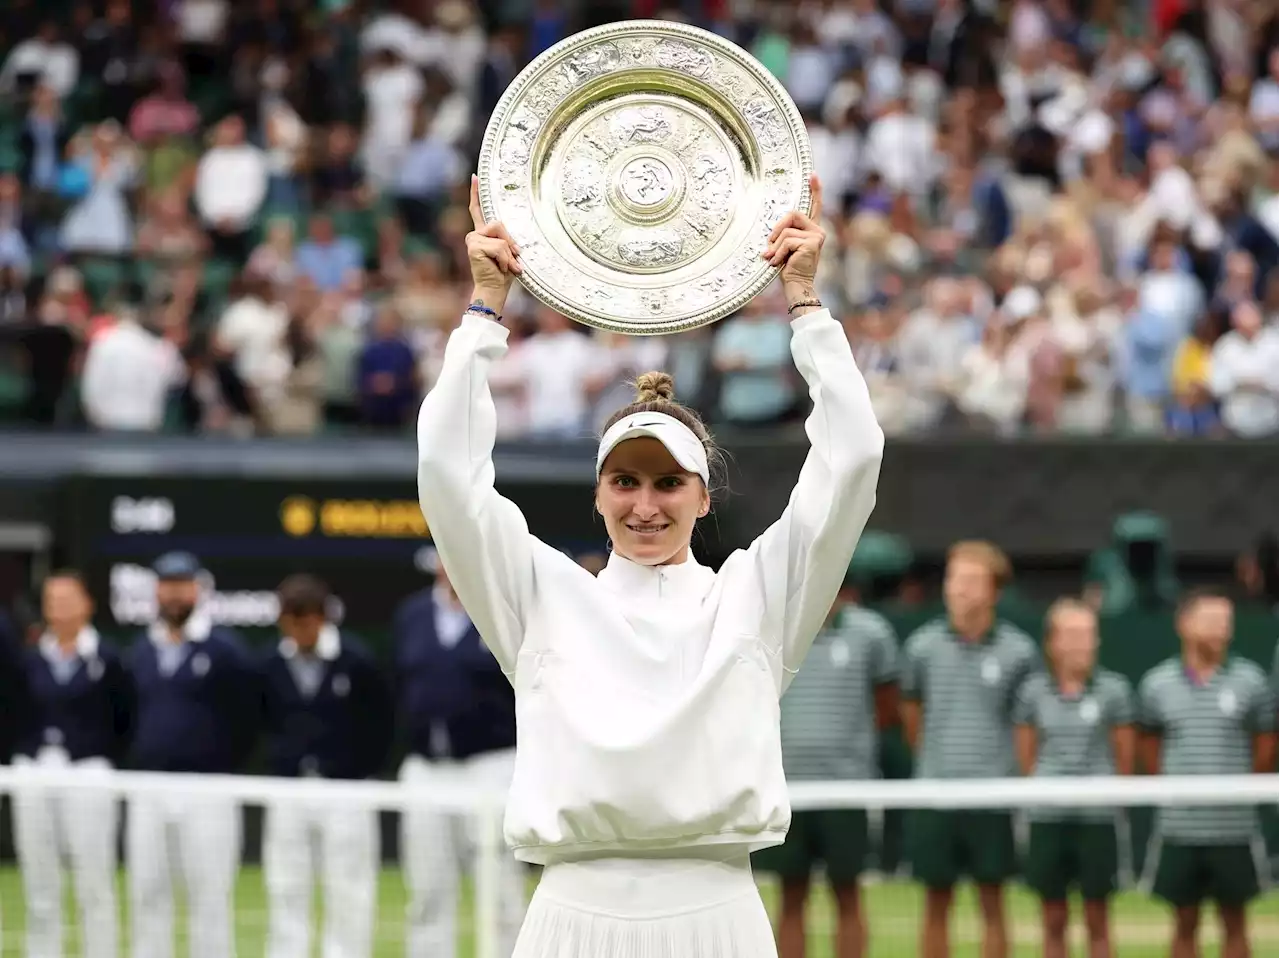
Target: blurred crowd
x,y
249,218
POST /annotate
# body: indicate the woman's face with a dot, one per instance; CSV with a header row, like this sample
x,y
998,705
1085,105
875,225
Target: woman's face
x,y
649,503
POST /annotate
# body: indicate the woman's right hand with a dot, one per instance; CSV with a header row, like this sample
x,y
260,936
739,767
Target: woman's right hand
x,y
493,255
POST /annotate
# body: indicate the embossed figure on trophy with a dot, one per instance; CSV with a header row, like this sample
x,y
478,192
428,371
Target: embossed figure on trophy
x,y
646,182
683,58
651,251
592,62
646,125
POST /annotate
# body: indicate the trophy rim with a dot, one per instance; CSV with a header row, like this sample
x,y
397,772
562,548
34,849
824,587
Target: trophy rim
x,y
630,28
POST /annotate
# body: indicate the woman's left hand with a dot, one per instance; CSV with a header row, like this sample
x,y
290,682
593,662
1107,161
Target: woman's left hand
x,y
796,241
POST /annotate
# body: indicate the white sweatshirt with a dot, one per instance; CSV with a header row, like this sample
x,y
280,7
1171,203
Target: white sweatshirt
x,y
646,698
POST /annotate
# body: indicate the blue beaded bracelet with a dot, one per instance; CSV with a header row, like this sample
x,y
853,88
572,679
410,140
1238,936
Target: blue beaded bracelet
x,y
484,311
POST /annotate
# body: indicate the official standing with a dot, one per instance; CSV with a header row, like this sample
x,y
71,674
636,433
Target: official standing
x,y
1074,719
81,706
960,676
458,710
328,714
1207,713
199,705
845,692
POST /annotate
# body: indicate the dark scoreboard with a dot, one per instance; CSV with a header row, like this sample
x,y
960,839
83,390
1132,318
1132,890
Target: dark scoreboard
x,y
366,538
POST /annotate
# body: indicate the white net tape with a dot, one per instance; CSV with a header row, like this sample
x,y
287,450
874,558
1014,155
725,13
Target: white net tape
x,y
55,819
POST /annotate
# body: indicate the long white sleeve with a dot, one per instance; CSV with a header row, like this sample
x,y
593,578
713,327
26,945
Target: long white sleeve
x,y
482,538
801,560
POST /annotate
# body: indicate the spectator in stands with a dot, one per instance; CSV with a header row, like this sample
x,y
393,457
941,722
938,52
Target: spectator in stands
x,y
1151,337
81,704
45,58
752,354
230,187
556,363
15,251
620,359
960,676
106,165
846,691
129,374
43,143
878,350
326,258
1244,373
458,711
165,117
199,691
1074,719
994,372
1193,411
392,88
273,259
430,169
1206,712
934,340
337,179
249,342
292,402
388,374
167,233
327,714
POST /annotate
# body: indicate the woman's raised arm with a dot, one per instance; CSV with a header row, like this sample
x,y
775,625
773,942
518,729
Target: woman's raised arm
x,y
801,560
482,537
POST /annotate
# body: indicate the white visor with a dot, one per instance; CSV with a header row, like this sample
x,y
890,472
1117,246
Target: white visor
x,y
685,448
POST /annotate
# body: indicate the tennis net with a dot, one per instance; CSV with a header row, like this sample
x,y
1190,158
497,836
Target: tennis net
x,y
245,860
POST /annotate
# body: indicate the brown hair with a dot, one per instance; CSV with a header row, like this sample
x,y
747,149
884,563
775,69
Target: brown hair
x,y
303,594
68,575
990,555
656,392
1065,604
1193,597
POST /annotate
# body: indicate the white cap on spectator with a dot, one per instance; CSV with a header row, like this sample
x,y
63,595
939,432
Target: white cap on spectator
x,y
1092,134
1021,303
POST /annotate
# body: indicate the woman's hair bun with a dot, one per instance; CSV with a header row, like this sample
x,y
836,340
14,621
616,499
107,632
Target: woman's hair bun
x,y
655,387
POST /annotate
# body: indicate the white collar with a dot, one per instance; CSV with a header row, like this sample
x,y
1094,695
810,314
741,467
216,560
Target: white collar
x,y
196,629
328,645
86,644
622,575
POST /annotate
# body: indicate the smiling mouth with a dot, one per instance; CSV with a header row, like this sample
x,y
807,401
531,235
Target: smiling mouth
x,y
649,528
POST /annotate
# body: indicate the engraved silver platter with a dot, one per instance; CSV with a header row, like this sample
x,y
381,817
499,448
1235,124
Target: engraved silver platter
x,y
640,167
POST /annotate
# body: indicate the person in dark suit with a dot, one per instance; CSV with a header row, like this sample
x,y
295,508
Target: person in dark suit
x,y
79,714
458,710
199,695
328,714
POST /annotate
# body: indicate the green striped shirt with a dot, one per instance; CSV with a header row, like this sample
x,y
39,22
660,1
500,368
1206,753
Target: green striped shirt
x,y
1073,735
967,692
828,714
1206,729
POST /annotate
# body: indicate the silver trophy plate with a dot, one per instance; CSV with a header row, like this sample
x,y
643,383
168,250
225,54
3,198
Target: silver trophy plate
x,y
640,167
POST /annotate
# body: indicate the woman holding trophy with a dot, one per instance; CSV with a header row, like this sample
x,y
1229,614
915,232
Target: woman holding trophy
x,y
648,760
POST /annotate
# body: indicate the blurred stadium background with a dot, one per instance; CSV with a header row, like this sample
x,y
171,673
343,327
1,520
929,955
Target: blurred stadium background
x,y
231,252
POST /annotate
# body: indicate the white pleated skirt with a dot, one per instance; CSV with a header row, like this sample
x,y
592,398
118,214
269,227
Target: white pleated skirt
x,y
703,907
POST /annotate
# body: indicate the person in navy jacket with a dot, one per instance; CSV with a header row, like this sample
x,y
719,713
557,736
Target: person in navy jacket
x,y
79,714
199,706
328,714
457,710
